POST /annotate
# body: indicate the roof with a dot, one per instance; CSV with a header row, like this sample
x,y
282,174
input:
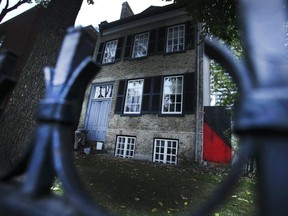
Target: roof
x,y
150,11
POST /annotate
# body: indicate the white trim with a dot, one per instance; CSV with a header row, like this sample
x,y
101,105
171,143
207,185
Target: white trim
x,y
125,146
135,96
167,97
165,151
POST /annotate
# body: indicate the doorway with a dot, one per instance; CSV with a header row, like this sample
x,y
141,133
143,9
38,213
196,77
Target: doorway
x,y
98,112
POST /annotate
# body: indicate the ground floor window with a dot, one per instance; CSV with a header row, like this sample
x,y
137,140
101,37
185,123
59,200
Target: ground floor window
x,y
125,146
165,151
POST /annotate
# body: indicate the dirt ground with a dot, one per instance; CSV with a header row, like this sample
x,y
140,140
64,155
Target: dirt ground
x,y
133,187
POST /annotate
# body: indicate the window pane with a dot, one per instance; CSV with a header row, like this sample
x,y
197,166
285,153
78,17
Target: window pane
x,y
172,94
175,38
140,48
103,92
134,96
167,153
124,146
110,52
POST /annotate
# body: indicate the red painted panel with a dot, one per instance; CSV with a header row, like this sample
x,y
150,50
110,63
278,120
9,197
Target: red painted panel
x,y
214,148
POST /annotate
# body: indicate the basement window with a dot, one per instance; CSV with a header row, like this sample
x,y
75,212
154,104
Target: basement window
x,y
125,146
165,151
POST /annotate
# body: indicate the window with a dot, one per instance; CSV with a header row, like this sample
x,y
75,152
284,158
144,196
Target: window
x,y
134,96
104,91
165,151
125,146
169,95
140,48
175,38
172,95
110,52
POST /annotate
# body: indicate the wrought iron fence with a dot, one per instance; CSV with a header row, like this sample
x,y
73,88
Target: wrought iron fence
x,y
261,123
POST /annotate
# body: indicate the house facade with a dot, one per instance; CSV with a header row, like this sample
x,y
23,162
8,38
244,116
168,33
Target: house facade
x,y
146,102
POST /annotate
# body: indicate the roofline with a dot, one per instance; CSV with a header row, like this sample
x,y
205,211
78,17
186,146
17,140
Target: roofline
x,y
104,25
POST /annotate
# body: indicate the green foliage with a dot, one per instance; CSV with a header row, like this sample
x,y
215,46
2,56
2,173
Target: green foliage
x,y
222,86
219,17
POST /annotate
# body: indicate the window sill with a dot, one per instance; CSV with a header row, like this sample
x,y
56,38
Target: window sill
x,y
171,115
130,115
176,52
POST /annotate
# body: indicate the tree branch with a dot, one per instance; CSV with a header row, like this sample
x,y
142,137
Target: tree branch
x,y
6,9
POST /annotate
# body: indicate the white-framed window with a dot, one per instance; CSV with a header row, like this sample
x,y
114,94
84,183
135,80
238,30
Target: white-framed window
x,y
172,101
134,96
125,146
140,48
110,52
165,151
175,38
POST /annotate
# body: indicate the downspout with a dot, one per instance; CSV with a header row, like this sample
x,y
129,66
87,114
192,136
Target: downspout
x,y
197,92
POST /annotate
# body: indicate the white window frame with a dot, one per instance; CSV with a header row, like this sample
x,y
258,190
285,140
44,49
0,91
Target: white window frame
x,y
175,38
110,52
140,47
165,151
172,97
125,146
133,100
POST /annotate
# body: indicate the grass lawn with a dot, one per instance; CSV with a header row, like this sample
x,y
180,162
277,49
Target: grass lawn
x,y
129,187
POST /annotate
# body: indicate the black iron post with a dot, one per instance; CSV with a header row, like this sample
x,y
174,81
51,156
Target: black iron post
x,y
262,115
50,155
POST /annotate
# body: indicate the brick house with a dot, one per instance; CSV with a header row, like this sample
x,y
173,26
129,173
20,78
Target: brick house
x,y
147,100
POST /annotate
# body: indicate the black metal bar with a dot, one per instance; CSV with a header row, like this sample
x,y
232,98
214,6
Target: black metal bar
x,y
262,115
261,121
49,155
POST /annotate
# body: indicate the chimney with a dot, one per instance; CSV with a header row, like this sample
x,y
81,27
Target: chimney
x,y
126,10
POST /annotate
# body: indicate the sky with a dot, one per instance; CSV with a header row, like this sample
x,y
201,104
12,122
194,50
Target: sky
x,y
102,10
110,10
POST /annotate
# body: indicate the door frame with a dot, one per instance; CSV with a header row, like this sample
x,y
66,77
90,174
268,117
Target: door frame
x,y
91,98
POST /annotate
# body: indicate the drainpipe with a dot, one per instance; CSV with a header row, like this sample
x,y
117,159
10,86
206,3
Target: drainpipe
x,y
197,92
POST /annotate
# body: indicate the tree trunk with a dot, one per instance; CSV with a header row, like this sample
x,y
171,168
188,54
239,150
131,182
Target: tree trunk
x,y
17,122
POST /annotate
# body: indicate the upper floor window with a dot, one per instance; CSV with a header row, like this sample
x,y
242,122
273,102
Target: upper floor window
x,y
140,48
172,94
168,95
175,38
110,52
134,96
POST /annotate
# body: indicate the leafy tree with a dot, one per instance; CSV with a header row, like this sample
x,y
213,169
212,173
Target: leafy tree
x,y
218,18
222,86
